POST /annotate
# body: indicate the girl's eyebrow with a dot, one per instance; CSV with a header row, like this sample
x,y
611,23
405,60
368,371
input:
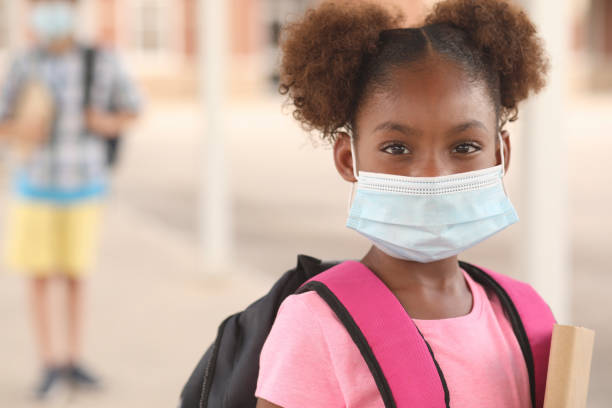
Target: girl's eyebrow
x,y
410,131
405,129
467,125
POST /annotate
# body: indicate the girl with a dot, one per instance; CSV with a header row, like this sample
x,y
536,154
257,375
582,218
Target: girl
x,y
416,117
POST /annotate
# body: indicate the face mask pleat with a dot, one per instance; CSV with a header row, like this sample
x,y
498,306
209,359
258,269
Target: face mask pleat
x,y
431,244
429,210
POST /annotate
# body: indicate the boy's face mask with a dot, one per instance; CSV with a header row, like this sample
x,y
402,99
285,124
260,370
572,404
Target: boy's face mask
x,y
53,20
426,219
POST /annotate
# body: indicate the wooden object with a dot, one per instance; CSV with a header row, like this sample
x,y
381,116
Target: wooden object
x,y
569,367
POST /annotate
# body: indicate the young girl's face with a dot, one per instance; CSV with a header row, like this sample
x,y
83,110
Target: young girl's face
x,y
435,121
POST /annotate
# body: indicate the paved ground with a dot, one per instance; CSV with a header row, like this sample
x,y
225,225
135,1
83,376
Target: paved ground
x,y
153,309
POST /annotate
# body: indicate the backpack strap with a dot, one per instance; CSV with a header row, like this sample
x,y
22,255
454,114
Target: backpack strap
x,y
380,327
89,59
90,54
533,327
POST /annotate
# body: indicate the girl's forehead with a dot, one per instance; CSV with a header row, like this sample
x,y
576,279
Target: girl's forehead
x,y
426,96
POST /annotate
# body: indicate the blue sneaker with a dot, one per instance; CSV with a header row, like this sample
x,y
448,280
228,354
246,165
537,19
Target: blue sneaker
x,y
50,378
79,376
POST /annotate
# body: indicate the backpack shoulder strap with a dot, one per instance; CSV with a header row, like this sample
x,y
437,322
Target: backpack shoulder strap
x,y
387,338
534,325
89,59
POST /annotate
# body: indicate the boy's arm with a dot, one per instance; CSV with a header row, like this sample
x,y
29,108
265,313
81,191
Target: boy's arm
x,y
108,124
9,127
34,130
126,102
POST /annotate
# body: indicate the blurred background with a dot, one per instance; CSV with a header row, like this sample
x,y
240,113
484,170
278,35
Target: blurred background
x,y
218,190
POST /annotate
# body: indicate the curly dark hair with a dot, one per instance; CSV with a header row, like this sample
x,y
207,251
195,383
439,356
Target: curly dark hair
x,y
340,52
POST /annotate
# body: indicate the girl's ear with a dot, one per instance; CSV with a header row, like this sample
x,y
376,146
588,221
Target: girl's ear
x,y
343,157
507,150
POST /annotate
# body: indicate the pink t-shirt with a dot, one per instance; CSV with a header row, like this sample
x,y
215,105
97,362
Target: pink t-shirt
x,y
310,360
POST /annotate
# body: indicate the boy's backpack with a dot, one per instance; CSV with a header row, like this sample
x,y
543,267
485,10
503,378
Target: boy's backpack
x,y
112,143
226,376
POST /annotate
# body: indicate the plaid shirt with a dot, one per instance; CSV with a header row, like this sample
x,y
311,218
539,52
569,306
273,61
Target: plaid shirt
x,y
72,163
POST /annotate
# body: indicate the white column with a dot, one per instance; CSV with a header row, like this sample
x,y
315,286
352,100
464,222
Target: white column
x,y
215,204
15,10
545,246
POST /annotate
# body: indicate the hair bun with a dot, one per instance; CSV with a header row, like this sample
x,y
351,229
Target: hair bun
x,y
322,55
506,37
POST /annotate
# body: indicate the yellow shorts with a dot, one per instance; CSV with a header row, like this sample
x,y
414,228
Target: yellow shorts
x,y
44,239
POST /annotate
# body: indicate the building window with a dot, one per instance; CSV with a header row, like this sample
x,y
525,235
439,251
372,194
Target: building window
x,y
151,25
600,44
4,24
278,13
150,31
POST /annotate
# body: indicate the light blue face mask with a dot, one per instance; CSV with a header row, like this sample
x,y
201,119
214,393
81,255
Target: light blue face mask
x,y
53,20
426,219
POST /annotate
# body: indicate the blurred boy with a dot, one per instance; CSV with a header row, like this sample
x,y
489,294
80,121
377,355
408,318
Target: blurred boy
x,y
61,174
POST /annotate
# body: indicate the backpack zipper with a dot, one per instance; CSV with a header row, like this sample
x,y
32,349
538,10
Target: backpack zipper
x,y
209,371
205,382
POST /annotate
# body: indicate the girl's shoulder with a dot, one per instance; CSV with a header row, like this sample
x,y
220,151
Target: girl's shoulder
x,y
309,349
296,357
308,309
306,324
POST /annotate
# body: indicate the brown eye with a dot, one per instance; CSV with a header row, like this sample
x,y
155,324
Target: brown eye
x,y
396,149
466,148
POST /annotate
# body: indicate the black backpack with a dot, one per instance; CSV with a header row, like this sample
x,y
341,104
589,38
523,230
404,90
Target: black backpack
x,y
233,359
112,144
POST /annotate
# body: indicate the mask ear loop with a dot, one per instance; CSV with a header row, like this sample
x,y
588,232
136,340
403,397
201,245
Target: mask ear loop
x,y
354,158
501,150
503,161
355,174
